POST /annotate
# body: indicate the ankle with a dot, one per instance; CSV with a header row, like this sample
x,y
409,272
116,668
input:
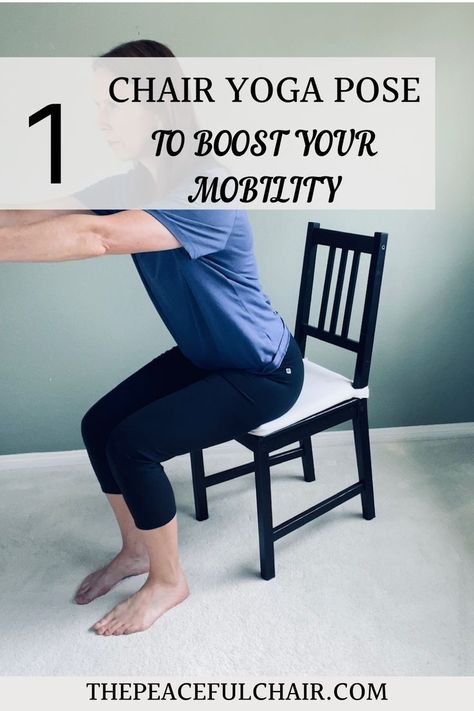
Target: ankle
x,y
134,549
169,578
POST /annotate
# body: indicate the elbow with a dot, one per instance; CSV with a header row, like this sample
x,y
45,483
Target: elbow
x,y
84,237
93,238
106,237
98,245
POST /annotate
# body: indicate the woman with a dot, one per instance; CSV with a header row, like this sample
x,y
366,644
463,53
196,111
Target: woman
x,y
235,366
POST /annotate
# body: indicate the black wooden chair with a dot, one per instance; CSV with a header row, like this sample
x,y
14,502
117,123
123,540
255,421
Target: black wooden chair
x,y
327,398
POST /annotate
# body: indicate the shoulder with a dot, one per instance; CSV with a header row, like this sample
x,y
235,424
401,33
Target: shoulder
x,y
197,219
200,232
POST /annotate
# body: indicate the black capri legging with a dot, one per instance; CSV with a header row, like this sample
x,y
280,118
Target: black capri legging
x,y
169,407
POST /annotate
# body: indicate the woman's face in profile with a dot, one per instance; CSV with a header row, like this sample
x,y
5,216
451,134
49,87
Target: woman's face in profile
x,y
126,126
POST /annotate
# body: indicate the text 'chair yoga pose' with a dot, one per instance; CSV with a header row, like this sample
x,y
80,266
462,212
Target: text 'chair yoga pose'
x,y
327,397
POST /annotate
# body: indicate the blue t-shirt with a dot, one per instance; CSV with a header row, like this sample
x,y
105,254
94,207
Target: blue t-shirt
x,y
208,293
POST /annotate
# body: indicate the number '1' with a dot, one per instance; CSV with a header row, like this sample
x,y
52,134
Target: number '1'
x,y
53,110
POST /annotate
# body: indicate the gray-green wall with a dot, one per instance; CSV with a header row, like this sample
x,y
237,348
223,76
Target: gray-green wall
x,y
70,331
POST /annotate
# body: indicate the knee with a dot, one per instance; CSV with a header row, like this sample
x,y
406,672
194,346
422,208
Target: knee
x,y
89,425
120,443
128,442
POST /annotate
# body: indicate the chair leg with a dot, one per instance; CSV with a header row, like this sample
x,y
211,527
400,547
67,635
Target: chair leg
x,y
199,487
364,466
264,514
307,458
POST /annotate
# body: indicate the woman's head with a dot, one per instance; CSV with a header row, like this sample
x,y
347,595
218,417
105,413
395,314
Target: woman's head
x,y
128,126
140,48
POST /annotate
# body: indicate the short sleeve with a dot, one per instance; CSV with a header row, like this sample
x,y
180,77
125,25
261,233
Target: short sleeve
x,y
200,232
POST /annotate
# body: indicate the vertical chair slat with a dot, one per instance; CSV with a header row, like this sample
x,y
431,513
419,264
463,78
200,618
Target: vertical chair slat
x,y
337,294
369,316
306,287
326,287
350,294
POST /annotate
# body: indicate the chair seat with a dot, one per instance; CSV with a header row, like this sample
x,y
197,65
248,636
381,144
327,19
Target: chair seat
x,y
322,389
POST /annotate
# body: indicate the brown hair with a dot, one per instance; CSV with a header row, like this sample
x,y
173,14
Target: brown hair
x,y
140,48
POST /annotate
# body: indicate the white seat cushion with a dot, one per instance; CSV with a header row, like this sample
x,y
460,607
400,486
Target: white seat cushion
x,y
322,388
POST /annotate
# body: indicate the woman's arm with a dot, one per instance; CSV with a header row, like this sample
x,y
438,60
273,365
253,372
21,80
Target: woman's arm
x,y
83,234
42,211
15,218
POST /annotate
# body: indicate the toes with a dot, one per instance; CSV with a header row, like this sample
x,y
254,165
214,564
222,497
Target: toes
x,y
83,597
82,589
101,626
114,625
101,630
82,600
85,586
86,582
103,623
101,591
118,629
108,620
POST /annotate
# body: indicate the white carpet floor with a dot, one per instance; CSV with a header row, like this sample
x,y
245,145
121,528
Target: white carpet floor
x,y
391,596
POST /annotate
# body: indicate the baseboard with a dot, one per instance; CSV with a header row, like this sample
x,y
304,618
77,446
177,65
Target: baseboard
x,y
402,434
75,457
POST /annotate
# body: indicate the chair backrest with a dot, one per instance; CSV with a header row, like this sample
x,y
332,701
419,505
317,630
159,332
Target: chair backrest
x,y
356,244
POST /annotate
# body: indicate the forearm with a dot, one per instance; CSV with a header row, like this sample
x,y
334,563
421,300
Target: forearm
x,y
72,236
14,218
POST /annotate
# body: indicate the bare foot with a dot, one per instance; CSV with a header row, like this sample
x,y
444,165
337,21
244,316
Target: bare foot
x,y
142,608
101,581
